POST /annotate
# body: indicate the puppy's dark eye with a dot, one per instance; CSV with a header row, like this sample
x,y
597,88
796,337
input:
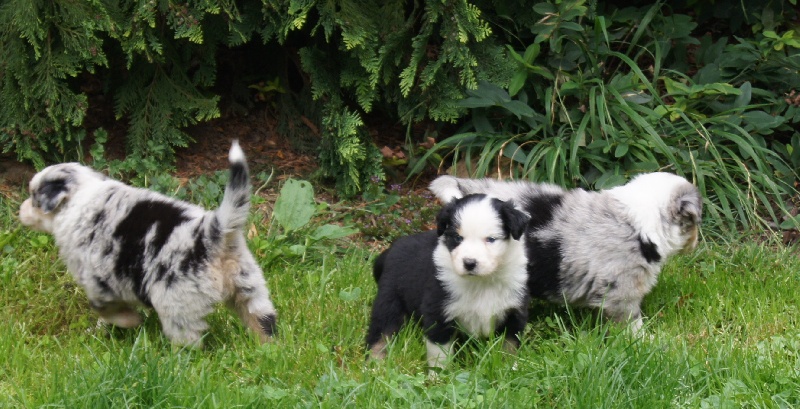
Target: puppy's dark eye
x,y
491,239
456,238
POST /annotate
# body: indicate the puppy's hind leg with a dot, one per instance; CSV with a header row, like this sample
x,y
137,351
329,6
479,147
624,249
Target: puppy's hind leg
x,y
182,315
118,314
251,300
386,319
512,327
626,312
184,326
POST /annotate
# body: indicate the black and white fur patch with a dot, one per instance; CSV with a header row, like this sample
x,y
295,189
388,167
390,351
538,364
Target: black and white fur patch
x,y
469,273
597,249
129,247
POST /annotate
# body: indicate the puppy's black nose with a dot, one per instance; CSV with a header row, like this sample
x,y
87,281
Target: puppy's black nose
x,y
470,264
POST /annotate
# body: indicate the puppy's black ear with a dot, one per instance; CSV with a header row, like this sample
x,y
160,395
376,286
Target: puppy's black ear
x,y
50,194
514,220
445,217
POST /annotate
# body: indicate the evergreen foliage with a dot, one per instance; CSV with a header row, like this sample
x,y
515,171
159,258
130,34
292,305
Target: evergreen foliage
x,y
588,87
158,59
420,58
44,44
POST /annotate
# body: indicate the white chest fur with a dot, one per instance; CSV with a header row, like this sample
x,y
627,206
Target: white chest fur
x,y
479,303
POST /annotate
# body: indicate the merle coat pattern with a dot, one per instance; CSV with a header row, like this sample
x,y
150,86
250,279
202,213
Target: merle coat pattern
x,y
130,247
597,249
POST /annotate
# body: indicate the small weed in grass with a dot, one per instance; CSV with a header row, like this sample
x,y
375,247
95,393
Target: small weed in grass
x,y
394,212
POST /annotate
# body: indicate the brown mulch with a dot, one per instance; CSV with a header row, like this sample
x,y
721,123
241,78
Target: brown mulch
x,y
265,148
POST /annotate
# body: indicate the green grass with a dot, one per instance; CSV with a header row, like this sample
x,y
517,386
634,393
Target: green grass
x,y
724,324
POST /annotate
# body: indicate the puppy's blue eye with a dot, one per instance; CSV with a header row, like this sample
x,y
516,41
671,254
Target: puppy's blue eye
x,y
490,239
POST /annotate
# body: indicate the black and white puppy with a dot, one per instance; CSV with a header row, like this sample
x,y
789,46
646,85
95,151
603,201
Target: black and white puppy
x,y
129,247
597,249
469,273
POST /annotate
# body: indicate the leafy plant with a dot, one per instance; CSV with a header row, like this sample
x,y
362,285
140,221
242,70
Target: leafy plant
x,y
293,213
582,110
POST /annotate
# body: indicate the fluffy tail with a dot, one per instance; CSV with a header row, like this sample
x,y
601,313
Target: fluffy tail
x,y
232,213
377,268
447,188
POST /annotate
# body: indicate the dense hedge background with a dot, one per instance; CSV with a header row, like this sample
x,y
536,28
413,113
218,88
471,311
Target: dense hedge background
x,y
576,92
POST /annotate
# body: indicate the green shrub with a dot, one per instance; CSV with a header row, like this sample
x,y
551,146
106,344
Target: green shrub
x,y
595,100
158,60
567,85
411,60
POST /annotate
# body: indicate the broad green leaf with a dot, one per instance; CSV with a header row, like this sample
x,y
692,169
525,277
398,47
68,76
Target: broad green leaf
x,y
609,180
569,85
621,150
791,223
675,87
719,88
568,25
544,72
491,92
744,97
295,205
518,108
531,53
517,82
350,294
513,151
331,232
544,8
515,55
481,123
761,121
639,97
475,102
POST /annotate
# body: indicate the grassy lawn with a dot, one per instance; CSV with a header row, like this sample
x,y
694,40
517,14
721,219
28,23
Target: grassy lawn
x,y
725,325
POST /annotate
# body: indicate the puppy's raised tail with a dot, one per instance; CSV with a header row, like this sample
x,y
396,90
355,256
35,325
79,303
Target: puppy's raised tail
x,y
447,188
232,213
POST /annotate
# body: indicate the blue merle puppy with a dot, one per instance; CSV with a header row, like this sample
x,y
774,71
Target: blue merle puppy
x,y
468,274
129,247
601,249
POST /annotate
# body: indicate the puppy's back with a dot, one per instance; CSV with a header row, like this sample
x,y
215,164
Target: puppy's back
x,y
406,267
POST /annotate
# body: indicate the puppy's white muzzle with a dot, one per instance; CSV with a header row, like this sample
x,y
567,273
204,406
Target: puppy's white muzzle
x,y
34,218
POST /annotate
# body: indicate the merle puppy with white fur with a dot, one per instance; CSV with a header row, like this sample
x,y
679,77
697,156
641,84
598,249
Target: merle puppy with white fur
x,y
468,273
596,249
129,247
